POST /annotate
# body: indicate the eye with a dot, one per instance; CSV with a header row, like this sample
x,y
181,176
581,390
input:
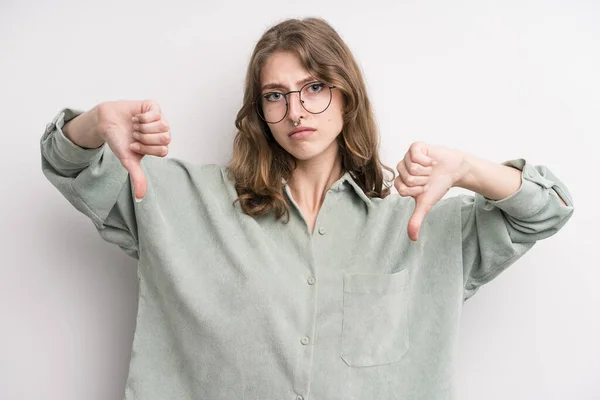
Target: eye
x,y
316,87
273,96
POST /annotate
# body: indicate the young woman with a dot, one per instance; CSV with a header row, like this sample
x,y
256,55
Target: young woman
x,y
289,273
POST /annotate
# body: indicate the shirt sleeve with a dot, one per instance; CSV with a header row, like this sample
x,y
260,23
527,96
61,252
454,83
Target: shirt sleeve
x,y
93,180
496,233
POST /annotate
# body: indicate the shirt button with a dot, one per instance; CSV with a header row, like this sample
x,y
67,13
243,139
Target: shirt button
x,y
322,230
311,281
304,340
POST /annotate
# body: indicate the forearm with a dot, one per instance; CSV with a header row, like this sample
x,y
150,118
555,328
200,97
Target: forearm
x,y
82,130
491,180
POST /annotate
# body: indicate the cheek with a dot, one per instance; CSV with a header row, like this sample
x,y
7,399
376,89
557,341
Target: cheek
x,y
277,130
334,113
334,118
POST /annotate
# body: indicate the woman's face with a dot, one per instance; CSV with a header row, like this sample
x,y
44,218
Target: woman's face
x,y
284,72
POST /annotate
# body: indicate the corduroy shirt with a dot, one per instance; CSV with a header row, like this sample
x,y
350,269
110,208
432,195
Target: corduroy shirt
x,y
239,307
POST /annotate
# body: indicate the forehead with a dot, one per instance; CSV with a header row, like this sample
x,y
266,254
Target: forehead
x,y
284,68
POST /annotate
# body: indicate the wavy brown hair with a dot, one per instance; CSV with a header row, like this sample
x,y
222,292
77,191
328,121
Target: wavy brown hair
x,y
259,164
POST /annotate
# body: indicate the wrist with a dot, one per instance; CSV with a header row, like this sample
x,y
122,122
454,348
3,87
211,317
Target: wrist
x,y
467,180
492,180
83,130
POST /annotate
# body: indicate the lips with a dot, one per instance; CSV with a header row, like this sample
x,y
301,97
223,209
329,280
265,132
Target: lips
x,y
302,129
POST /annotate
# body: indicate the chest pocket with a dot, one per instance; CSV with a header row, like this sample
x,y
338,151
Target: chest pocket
x,y
375,319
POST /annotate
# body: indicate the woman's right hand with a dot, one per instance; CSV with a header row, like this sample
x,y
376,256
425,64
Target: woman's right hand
x,y
132,129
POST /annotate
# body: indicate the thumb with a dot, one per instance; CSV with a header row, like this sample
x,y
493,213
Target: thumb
x,y
414,224
137,176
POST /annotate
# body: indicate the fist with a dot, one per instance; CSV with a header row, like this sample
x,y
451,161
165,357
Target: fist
x,y
426,173
133,129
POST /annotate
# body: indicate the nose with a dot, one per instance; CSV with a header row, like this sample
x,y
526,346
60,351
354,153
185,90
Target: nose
x,y
295,109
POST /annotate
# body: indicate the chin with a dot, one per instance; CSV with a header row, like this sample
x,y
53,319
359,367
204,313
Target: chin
x,y
307,154
304,155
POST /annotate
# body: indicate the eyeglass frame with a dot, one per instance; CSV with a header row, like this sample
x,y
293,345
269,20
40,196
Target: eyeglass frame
x,y
287,104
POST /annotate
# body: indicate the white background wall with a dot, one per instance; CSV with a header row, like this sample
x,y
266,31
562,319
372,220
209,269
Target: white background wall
x,y
501,80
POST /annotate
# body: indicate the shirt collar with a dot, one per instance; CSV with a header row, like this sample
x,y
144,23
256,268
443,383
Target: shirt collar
x,y
346,182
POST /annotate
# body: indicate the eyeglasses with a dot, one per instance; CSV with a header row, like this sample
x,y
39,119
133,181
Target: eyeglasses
x,y
315,97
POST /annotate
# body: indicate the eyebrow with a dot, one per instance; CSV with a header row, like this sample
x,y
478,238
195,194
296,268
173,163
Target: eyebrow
x,y
277,85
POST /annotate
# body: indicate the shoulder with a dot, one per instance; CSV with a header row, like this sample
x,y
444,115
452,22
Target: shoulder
x,y
448,208
176,167
177,173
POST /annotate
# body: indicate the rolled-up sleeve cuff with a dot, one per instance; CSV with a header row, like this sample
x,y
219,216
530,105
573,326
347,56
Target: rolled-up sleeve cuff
x,y
63,146
533,194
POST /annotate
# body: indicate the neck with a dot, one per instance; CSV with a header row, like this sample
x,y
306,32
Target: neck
x,y
312,179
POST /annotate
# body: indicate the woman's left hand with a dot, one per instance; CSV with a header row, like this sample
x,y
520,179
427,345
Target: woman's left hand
x,y
427,173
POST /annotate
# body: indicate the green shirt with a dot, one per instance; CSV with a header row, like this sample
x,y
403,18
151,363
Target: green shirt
x,y
240,307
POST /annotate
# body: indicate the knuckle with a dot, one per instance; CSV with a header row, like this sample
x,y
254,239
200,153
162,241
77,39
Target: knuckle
x,y
141,115
414,169
164,151
147,139
165,139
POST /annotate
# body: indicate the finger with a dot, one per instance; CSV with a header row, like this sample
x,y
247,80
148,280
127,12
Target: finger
x,y
419,153
416,169
149,116
153,139
409,179
413,232
159,126
140,148
404,190
416,220
137,177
